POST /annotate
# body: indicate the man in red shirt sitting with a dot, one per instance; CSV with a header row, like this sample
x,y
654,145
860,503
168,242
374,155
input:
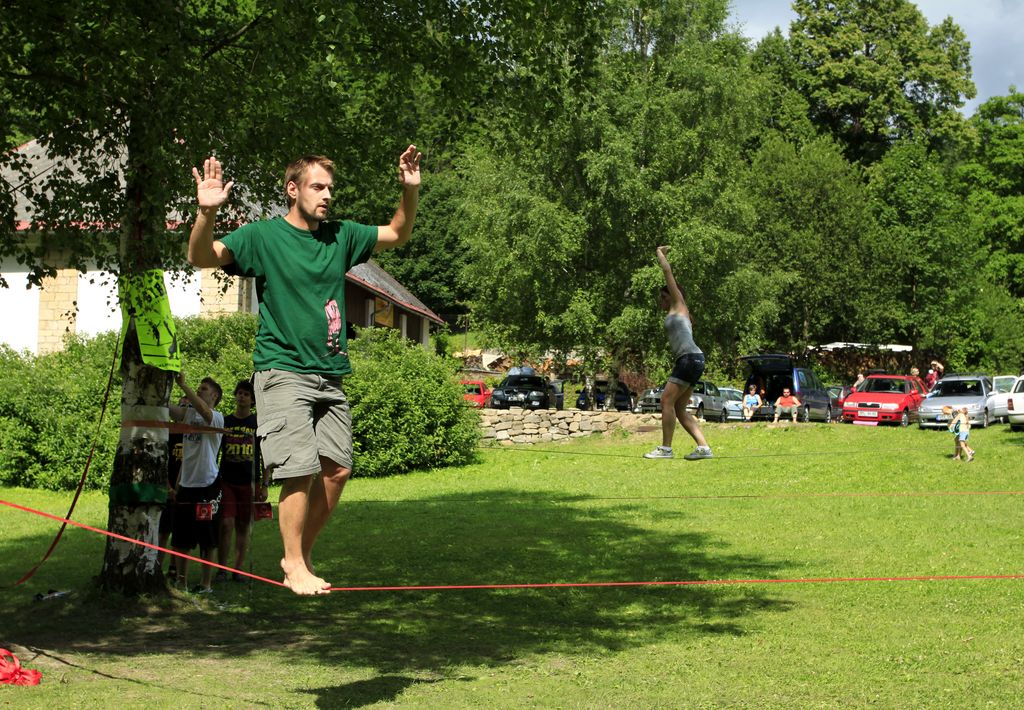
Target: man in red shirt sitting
x,y
786,404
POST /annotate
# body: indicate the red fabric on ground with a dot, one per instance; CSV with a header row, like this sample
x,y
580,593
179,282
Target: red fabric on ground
x,y
12,673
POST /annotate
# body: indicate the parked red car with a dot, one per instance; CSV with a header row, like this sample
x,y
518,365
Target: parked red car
x,y
477,393
893,399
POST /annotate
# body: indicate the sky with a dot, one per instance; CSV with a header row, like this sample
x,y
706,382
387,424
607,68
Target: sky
x,y
995,29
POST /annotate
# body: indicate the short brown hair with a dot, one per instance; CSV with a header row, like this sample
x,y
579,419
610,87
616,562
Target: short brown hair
x,y
215,387
296,171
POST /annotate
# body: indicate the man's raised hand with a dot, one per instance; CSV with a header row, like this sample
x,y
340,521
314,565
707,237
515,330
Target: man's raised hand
x,y
210,188
409,167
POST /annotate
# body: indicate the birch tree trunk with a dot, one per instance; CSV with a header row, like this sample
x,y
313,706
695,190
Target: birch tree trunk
x,y
138,485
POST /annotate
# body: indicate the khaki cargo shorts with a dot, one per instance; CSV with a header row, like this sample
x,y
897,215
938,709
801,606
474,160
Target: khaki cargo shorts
x,y
301,417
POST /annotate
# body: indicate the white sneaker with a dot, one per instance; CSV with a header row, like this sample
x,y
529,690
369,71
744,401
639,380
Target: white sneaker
x,y
701,452
661,452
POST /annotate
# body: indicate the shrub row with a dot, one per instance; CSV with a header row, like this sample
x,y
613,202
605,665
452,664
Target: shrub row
x,y
406,402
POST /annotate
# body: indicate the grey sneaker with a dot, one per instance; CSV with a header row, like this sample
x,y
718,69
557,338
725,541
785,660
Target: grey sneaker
x,y
701,452
661,452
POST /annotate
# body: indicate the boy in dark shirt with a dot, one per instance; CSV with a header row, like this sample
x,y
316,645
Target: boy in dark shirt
x,y
241,476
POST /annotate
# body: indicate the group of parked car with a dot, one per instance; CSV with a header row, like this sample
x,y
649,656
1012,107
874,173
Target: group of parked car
x,y
770,374
901,399
529,391
879,399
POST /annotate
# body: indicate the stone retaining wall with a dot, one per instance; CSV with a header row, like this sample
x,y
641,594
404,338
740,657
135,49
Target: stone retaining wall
x,y
518,426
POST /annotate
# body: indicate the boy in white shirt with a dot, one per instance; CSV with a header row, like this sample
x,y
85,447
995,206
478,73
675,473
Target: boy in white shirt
x,y
198,490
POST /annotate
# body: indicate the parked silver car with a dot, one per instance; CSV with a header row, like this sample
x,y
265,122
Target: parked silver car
x,y
971,391
706,402
650,400
733,410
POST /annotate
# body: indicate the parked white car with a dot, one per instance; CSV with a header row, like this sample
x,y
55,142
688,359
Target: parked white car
x,y
1002,386
1015,406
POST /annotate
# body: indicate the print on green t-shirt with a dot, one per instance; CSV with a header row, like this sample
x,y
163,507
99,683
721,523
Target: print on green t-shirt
x,y
300,284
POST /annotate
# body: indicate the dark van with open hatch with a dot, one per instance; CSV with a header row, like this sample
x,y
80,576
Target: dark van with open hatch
x,y
774,371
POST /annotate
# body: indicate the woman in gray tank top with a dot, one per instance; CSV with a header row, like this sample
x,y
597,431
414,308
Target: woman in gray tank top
x,y
686,371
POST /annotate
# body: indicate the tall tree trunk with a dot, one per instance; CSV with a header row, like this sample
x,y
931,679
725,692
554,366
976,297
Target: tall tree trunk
x,y
138,484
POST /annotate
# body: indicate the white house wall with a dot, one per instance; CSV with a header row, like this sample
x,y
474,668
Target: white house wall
x,y
99,312
20,308
95,294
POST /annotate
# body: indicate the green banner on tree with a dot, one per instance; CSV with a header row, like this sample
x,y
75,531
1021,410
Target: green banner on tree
x,y
144,298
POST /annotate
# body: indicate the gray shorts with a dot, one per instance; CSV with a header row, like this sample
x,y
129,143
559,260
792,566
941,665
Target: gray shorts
x,y
788,410
301,417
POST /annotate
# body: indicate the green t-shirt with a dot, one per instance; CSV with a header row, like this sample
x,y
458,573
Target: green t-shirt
x,y
300,283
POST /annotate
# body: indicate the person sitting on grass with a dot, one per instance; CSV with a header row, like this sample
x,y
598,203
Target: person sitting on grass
x,y
786,404
751,403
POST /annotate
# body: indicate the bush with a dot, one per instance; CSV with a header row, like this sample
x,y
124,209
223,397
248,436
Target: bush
x,y
49,408
220,348
407,405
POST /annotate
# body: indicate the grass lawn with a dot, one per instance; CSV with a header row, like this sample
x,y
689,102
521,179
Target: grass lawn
x,y
793,502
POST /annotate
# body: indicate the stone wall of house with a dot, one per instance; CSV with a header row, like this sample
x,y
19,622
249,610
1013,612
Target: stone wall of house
x,y
238,298
56,308
518,426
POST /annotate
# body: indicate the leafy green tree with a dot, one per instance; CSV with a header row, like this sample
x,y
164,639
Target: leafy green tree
x,y
787,112
875,73
562,208
923,258
431,264
126,97
992,183
812,222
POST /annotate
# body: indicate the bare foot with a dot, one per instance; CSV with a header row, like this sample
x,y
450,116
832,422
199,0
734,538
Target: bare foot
x,y
309,568
298,579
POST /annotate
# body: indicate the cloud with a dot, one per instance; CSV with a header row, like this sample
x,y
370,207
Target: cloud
x,y
995,29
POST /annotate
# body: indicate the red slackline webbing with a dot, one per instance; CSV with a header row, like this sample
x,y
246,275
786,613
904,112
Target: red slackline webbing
x,y
544,585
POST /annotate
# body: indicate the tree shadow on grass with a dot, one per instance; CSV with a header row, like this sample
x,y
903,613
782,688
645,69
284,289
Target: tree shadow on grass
x,y
409,637
360,693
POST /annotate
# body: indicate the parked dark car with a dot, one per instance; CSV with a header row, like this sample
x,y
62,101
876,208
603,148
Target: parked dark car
x,y
773,371
526,391
623,397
